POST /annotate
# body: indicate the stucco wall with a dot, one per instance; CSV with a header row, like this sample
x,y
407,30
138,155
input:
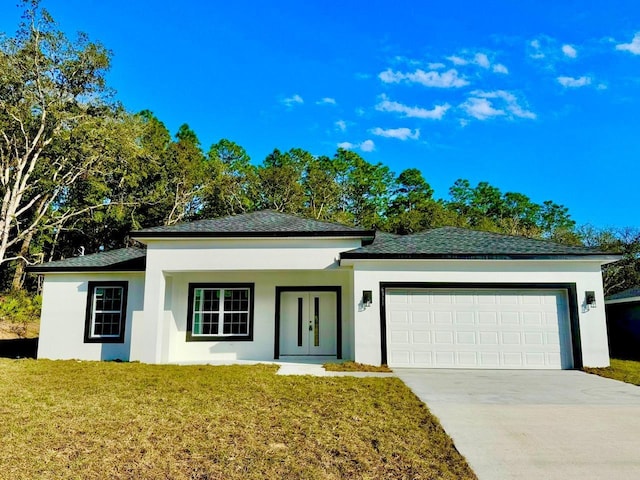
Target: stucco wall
x,y
177,349
174,347
172,264
586,275
64,302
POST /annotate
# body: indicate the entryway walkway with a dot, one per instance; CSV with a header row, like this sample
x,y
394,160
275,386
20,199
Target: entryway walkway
x,y
515,424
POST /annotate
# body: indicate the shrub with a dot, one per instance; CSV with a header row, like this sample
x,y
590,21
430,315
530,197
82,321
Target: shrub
x,y
18,310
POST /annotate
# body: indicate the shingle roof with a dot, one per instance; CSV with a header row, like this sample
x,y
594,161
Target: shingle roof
x,y
123,259
264,223
451,242
629,293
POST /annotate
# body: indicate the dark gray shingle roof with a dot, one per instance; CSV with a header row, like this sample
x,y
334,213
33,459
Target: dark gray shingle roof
x,y
122,259
264,223
451,242
629,293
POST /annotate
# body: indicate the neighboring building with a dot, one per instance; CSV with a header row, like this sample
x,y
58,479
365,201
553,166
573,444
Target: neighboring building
x,y
266,285
623,323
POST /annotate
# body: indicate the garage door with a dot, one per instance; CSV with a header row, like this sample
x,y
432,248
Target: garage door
x,y
437,328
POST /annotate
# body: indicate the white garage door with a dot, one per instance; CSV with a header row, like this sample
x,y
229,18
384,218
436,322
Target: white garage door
x,y
437,328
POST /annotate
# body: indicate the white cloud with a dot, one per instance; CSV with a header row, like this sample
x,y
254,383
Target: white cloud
x,y
482,60
435,66
386,105
536,50
480,108
479,59
481,105
500,68
341,125
448,79
366,146
327,101
457,60
570,82
399,133
632,47
569,51
389,76
294,100
510,100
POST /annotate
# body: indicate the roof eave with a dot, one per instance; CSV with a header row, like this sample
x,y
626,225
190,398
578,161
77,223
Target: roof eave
x,y
475,256
615,301
142,235
84,270
133,265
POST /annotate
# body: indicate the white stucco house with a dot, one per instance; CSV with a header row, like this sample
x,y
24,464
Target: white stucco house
x,y
265,286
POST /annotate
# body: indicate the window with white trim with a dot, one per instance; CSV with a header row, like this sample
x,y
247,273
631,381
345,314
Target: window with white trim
x,y
220,312
106,312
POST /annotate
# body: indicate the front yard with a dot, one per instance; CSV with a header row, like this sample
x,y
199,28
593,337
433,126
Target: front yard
x,y
623,370
94,420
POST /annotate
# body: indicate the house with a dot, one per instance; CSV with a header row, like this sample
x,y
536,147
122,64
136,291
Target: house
x,y
266,285
623,323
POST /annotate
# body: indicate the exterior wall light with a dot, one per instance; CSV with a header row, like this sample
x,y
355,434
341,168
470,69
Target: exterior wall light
x,y
367,298
590,299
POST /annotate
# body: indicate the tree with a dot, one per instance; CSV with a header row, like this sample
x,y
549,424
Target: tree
x,y
280,180
322,191
54,120
235,190
625,273
186,175
364,189
413,208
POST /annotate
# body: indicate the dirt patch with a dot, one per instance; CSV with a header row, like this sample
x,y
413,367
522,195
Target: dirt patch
x,y
12,331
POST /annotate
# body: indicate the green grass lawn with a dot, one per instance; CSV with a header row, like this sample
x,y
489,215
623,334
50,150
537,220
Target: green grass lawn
x,y
92,420
355,367
623,370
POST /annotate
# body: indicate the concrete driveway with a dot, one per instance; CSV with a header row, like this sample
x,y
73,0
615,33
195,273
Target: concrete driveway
x,y
515,424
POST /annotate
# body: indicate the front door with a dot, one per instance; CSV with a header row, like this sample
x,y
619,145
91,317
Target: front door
x,y
308,323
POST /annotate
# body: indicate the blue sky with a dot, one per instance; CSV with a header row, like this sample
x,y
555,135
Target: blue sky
x,y
539,97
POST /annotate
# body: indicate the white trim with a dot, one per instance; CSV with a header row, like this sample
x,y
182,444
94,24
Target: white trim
x,y
95,311
221,311
622,300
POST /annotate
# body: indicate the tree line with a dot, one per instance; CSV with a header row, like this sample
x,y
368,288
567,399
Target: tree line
x,y
79,172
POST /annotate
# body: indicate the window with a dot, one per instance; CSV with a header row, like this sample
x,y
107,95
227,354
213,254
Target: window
x,y
220,312
106,311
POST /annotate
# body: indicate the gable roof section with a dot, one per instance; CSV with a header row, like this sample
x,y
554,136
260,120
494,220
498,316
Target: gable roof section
x,y
120,260
461,243
264,223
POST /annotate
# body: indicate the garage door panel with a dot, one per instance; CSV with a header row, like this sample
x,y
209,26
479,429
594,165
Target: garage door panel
x,y
478,329
465,318
468,359
421,337
466,338
509,318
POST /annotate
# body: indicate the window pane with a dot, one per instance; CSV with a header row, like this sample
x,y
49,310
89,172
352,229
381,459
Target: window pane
x,y
106,324
197,299
211,301
210,323
236,300
236,323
